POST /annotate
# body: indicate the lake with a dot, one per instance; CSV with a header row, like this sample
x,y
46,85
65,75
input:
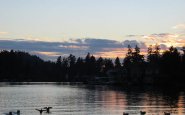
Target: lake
x,y
79,99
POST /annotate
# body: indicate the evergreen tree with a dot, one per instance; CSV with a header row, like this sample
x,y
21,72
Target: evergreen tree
x,y
87,58
108,65
99,64
71,60
150,54
80,66
88,64
65,67
117,63
183,56
137,57
92,65
128,59
171,61
59,61
72,70
154,56
157,50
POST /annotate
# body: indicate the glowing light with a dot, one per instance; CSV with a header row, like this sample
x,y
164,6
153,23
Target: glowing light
x,y
48,53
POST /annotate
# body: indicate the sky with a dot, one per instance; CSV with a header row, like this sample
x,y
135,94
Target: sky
x,y
102,27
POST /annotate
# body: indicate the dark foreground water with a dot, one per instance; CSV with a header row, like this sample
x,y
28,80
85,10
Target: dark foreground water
x,y
89,100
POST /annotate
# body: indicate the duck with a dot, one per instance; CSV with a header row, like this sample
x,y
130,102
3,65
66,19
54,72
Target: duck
x,y
18,112
40,110
10,113
13,113
48,109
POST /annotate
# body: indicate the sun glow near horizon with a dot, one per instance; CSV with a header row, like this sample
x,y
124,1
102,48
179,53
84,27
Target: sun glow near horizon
x,y
56,27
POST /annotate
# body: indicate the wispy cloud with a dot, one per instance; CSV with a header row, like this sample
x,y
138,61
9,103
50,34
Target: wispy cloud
x,y
163,39
79,47
160,36
179,26
3,33
133,43
167,39
133,36
47,55
98,47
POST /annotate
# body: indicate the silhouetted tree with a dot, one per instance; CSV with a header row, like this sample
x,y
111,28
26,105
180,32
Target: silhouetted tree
x,y
150,54
59,67
59,61
72,70
108,64
137,57
93,65
87,58
99,65
21,66
133,57
128,59
90,64
170,62
153,56
183,56
157,50
71,60
117,63
65,68
80,66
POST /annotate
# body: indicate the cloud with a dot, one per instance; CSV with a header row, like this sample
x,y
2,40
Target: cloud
x,y
112,53
134,36
47,55
166,39
160,36
74,47
3,33
179,26
133,43
80,47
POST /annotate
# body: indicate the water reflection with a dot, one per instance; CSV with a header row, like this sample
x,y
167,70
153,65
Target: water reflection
x,y
78,99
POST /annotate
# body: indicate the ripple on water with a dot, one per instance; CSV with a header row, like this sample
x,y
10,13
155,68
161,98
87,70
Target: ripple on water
x,y
88,100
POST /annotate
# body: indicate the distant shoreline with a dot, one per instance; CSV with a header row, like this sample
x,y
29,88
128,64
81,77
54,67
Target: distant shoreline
x,y
158,69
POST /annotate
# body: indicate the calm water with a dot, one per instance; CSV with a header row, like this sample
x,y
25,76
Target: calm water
x,y
88,100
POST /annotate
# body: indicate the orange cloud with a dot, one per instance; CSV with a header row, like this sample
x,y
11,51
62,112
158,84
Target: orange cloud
x,y
98,47
116,52
74,46
112,53
3,33
179,26
48,53
176,40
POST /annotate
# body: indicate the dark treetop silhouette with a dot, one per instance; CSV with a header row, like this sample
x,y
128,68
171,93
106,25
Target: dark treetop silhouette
x,y
167,68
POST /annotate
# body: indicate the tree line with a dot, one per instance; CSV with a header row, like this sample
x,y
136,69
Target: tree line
x,y
157,67
21,66
166,68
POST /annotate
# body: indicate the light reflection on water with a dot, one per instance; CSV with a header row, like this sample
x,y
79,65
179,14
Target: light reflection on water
x,y
88,100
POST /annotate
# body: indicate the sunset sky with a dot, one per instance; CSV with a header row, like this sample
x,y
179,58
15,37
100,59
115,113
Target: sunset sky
x,y
50,28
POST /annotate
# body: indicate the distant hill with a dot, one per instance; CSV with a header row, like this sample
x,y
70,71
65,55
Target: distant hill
x,y
21,66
